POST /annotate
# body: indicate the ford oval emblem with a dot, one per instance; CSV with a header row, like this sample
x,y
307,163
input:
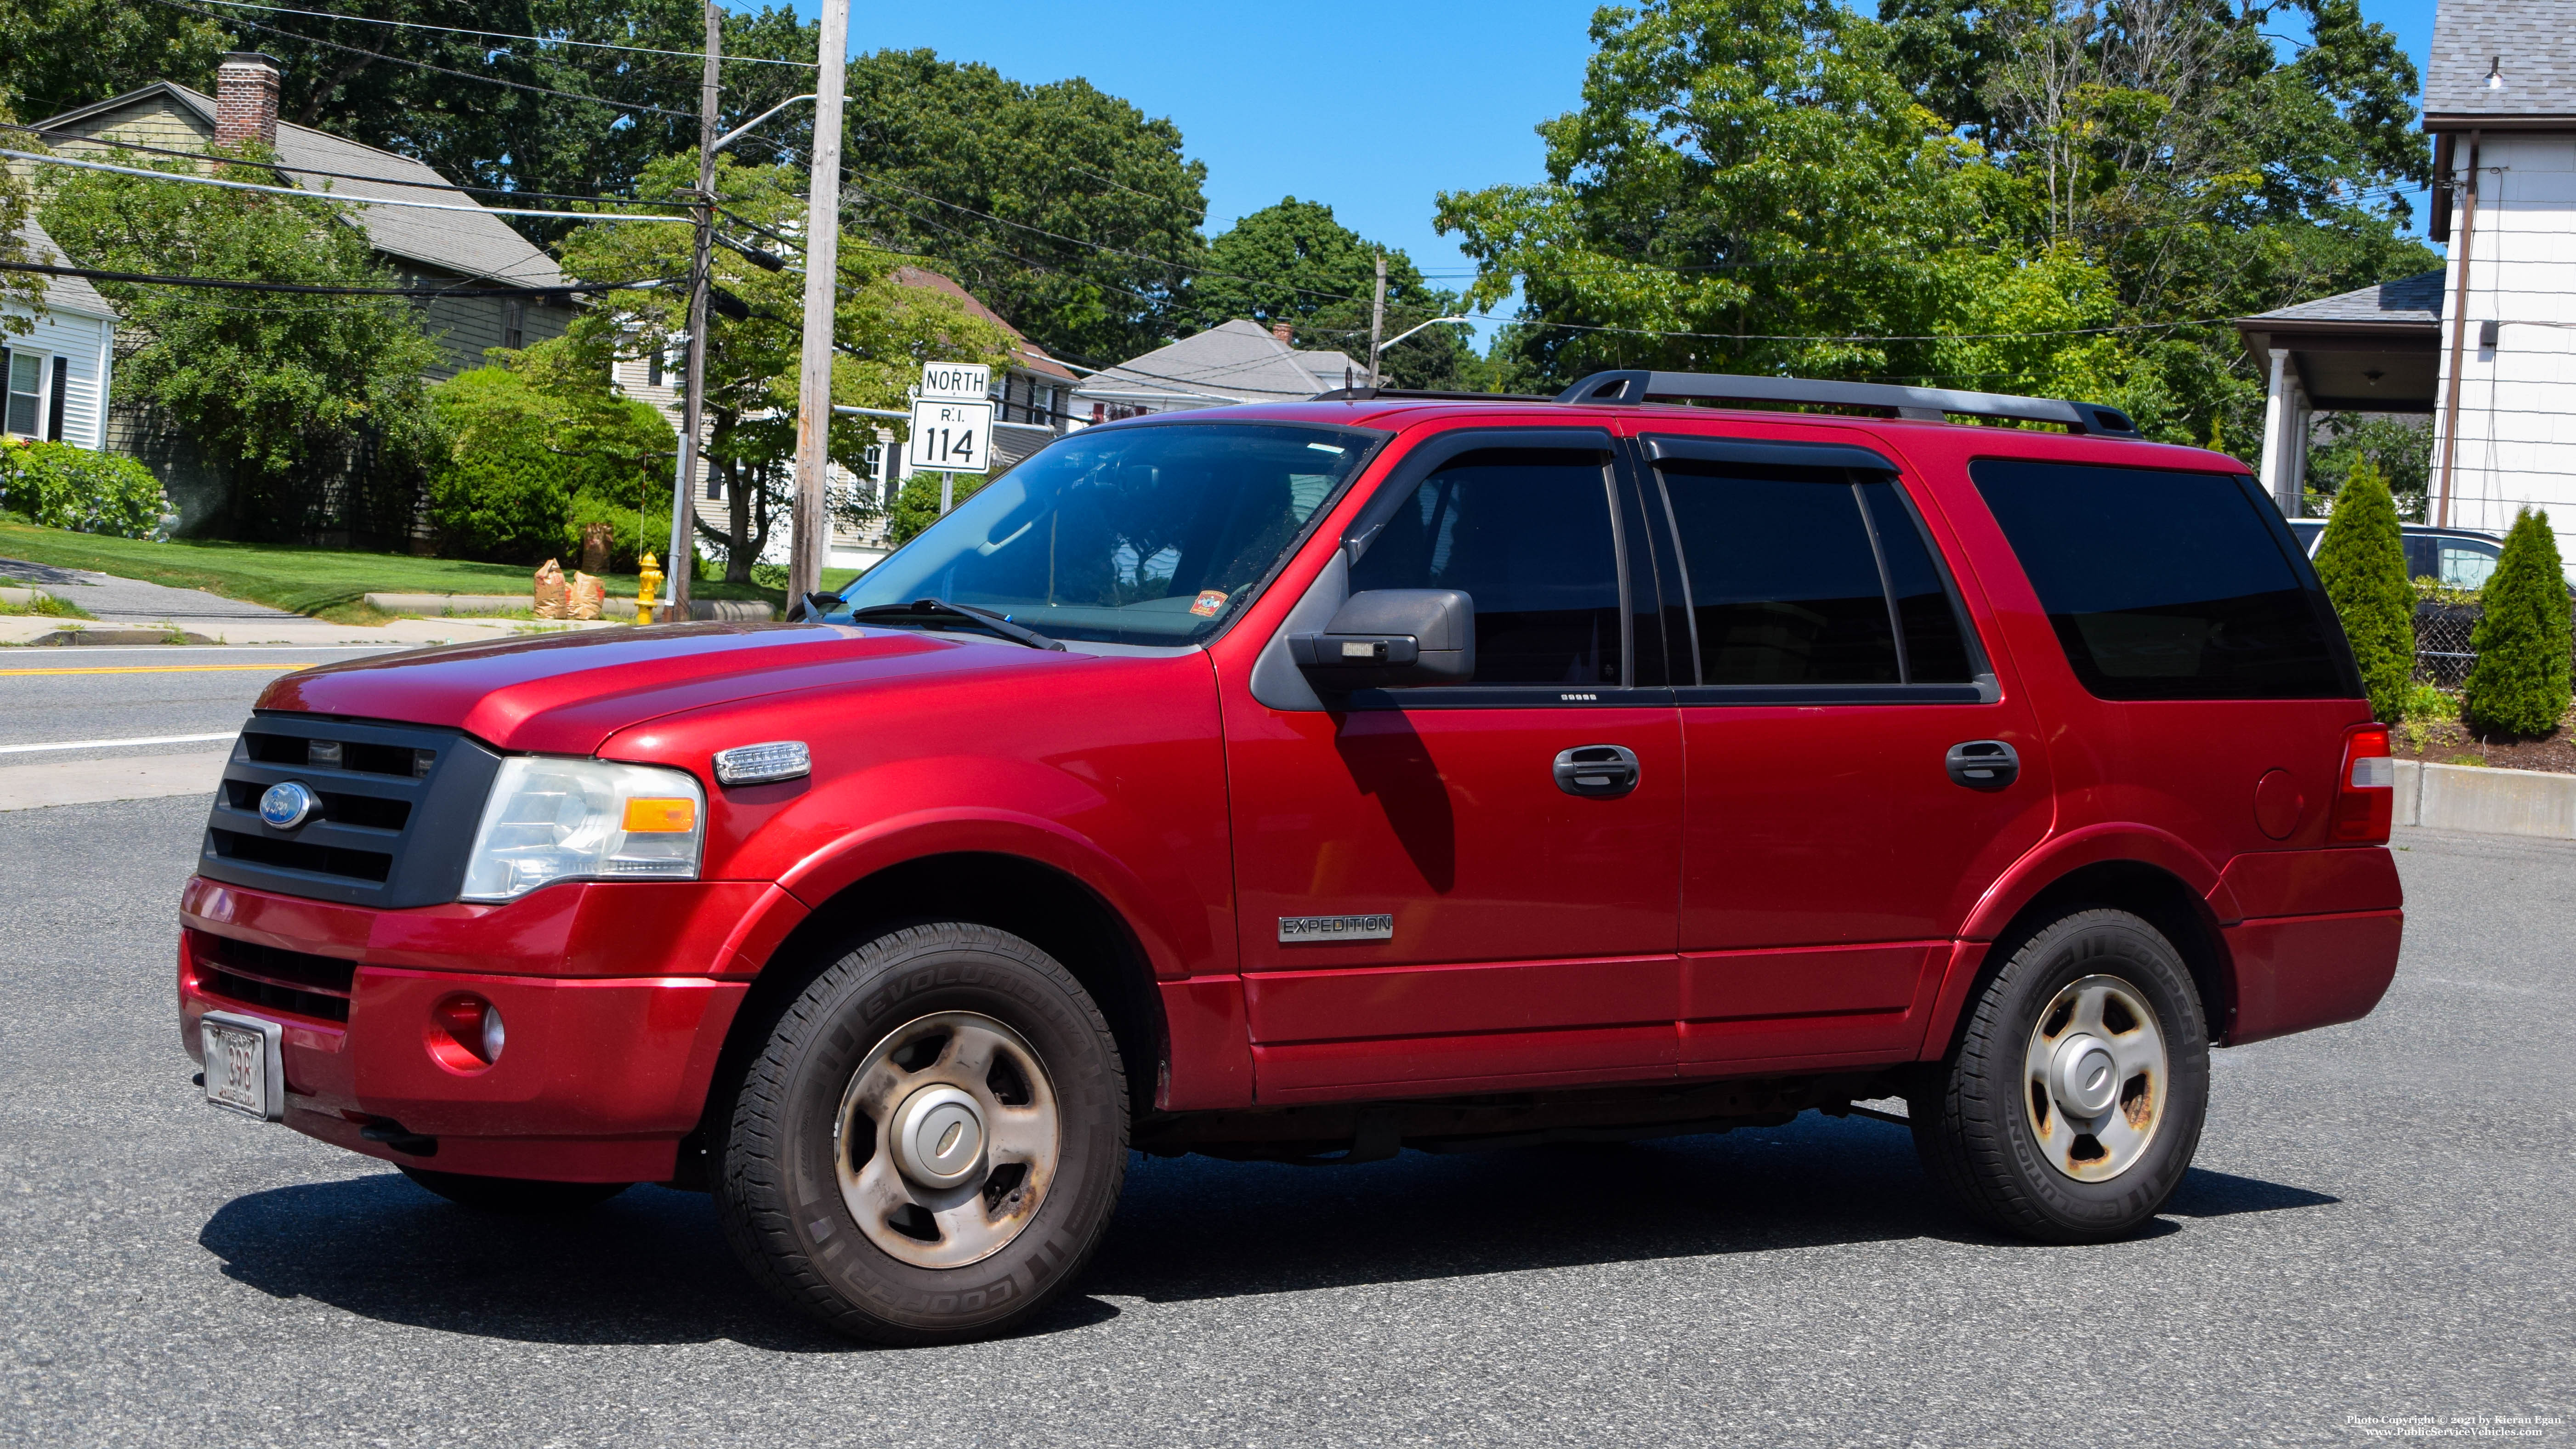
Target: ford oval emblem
x,y
287,804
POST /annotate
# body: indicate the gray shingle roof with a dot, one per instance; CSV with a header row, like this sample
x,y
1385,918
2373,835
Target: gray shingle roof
x,y
1238,361
2416,299
69,294
475,243
2531,43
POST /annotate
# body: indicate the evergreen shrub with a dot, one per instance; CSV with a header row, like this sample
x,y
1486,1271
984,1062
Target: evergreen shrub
x,y
2519,684
2362,562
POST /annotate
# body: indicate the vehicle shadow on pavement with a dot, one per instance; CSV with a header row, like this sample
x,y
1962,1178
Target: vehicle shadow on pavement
x,y
1816,1182
652,1267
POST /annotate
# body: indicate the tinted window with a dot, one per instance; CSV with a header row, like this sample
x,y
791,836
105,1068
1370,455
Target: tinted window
x,y
1936,651
1137,535
1526,534
1786,582
2166,585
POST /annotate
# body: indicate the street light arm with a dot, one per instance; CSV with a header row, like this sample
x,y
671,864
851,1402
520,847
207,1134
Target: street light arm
x,y
735,134
1400,336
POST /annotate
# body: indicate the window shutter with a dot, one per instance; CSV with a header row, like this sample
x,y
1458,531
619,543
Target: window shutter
x,y
62,383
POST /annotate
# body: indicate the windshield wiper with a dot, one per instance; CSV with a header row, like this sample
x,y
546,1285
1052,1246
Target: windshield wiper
x,y
926,609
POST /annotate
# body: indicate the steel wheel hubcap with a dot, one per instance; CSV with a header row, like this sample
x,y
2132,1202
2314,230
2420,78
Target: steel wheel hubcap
x,y
947,1139
2096,1078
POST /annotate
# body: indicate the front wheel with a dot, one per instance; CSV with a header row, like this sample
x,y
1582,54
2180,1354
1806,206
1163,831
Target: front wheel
x,y
2072,1104
932,1143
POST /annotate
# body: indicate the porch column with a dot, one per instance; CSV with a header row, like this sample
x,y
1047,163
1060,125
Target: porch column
x,y
2280,415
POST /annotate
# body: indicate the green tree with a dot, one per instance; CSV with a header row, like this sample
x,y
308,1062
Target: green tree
x,y
883,331
538,447
68,53
2362,562
2519,684
2400,450
1294,263
1068,211
286,390
2016,197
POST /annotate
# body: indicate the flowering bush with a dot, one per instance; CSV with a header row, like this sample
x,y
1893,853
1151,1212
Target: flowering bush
x,y
60,486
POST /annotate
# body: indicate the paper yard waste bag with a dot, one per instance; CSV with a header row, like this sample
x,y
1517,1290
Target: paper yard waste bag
x,y
551,593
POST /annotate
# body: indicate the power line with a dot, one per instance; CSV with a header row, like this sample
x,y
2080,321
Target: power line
x,y
282,165
503,34
305,195
425,65
317,289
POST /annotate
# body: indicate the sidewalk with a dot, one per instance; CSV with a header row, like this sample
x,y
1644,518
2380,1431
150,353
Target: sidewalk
x,y
130,611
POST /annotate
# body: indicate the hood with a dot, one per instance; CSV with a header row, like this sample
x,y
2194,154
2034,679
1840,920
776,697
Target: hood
x,y
567,693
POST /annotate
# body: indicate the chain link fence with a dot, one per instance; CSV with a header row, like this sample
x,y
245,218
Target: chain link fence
x,y
2442,653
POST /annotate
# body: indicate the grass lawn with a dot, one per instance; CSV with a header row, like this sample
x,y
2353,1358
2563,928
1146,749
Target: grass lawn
x,y
320,581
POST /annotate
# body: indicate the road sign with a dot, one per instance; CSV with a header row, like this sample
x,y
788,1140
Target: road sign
x,y
950,437
956,381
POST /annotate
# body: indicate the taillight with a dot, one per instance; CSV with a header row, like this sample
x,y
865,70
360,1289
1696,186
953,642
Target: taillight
x,y
2365,803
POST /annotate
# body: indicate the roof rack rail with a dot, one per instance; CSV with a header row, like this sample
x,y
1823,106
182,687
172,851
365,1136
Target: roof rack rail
x,y
1636,385
1419,394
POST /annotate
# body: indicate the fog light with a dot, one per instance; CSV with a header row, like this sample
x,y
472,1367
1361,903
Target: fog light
x,y
465,1033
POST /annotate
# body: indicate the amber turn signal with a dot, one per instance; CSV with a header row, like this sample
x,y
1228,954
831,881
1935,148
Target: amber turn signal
x,y
661,816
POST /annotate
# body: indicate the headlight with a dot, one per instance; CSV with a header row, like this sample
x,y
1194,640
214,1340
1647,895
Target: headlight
x,y
552,819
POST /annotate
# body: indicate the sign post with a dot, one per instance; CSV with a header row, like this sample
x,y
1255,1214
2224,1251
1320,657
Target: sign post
x,y
952,425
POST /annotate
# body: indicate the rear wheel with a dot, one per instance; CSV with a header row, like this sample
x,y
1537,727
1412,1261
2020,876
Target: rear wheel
x,y
515,1196
2072,1104
932,1143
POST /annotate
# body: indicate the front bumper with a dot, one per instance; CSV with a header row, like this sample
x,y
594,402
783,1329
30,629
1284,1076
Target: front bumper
x,y
602,1075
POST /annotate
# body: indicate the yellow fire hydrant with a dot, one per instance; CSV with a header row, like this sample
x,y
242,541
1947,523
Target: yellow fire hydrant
x,y
648,580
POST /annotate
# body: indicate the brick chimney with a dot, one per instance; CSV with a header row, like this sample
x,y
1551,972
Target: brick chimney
x,y
1286,334
246,98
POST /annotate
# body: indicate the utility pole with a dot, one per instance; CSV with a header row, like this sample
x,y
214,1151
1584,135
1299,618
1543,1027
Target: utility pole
x,y
675,566
810,542
1377,316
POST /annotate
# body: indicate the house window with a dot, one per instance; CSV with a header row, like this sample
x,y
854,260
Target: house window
x,y
26,406
653,368
514,324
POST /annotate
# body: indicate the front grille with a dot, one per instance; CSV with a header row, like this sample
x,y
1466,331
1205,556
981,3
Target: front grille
x,y
257,975
396,810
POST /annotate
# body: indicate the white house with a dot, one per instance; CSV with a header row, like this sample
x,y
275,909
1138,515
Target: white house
x,y
56,375
2500,103
1235,362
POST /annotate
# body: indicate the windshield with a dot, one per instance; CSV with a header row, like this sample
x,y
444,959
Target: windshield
x,y
1139,535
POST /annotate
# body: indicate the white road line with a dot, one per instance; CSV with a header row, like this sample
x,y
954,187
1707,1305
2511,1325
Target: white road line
x,y
114,744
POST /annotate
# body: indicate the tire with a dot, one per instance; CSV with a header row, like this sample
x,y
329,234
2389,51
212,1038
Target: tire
x,y
515,1196
830,1182
2012,1125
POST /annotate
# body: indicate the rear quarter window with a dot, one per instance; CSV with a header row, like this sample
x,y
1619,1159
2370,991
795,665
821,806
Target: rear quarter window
x,y
2169,585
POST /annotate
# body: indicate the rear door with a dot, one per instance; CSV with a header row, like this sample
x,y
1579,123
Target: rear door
x,y
1423,905
1828,670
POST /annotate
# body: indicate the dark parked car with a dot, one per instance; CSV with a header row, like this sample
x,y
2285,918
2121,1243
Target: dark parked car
x,y
2460,557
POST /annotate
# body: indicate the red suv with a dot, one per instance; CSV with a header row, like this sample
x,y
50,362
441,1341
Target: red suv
x,y
1305,782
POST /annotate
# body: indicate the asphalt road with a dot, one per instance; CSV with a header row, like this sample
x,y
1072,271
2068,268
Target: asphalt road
x,y
2379,1227
59,696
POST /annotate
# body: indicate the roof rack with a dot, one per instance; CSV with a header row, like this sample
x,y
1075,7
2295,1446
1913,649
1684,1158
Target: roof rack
x,y
1635,385
1370,394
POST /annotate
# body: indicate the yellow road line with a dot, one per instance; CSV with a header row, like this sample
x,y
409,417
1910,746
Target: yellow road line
x,y
159,668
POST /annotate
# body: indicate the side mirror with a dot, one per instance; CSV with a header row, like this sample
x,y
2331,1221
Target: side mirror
x,y
1382,638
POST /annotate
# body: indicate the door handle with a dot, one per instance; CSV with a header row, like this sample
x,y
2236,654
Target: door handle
x,y
1983,764
1597,771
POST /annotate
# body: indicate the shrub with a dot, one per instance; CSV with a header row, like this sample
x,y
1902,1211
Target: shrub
x,y
2362,562
2519,685
61,486
532,457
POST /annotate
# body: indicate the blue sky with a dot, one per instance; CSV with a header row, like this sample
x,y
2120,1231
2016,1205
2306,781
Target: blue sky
x,y
1372,109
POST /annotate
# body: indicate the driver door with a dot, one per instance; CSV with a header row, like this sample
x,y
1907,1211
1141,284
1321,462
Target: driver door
x,y
1423,906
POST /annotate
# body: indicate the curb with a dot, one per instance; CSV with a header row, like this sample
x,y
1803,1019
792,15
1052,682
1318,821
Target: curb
x,y
434,605
2486,800
120,636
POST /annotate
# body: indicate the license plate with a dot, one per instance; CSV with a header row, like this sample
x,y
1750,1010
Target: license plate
x,y
245,1072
